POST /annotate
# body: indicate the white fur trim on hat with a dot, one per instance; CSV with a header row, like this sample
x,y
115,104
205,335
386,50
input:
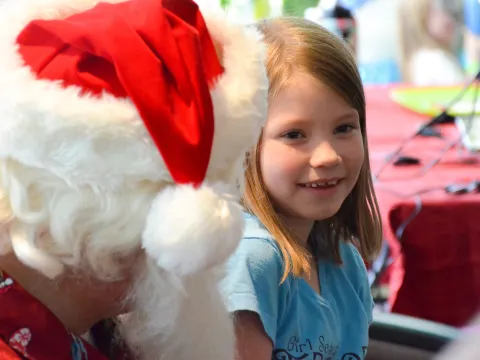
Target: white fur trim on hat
x,y
190,230
102,142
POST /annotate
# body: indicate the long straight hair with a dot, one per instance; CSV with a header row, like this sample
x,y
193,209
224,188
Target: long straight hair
x,y
299,44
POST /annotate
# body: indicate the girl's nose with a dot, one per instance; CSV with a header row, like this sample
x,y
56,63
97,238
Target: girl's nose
x,y
324,155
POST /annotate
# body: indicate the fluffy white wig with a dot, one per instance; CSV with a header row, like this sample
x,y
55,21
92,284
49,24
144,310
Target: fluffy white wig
x,y
84,187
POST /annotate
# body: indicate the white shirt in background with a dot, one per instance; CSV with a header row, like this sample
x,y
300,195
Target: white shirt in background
x,y
435,67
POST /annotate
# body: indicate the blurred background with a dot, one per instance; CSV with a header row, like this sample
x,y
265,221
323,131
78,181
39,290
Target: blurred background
x,y
381,29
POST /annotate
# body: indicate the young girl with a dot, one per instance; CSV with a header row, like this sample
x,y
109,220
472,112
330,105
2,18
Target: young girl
x,y
297,284
430,37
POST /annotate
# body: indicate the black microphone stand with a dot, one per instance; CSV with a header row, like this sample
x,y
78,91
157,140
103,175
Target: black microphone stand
x,y
439,119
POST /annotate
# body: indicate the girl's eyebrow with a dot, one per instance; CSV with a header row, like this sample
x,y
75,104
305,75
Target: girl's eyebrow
x,y
292,121
285,120
349,115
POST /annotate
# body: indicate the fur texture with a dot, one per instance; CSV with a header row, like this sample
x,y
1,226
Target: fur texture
x,y
82,185
103,142
209,236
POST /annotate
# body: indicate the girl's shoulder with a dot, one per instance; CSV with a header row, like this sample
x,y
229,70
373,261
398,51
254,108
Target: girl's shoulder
x,y
253,276
257,239
352,276
254,228
353,264
350,254
258,245
257,258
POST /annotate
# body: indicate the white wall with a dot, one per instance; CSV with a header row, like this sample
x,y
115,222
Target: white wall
x,y
377,31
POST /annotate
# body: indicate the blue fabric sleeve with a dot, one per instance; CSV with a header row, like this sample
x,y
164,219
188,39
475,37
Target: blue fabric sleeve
x,y
252,282
357,272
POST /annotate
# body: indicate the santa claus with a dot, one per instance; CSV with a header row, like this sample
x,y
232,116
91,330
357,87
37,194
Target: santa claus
x,y
123,131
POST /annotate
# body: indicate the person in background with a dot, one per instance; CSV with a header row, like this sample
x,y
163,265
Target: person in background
x,y
430,40
297,285
336,18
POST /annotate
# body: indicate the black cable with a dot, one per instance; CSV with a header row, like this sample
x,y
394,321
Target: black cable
x,y
434,121
469,188
418,200
454,143
451,189
401,228
472,187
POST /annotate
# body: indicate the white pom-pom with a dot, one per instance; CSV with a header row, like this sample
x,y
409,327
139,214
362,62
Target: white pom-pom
x,y
191,229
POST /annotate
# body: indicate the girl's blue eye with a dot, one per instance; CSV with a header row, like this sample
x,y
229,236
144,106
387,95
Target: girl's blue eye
x,y
291,135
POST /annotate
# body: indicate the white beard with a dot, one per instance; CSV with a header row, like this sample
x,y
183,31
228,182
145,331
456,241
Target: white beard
x,y
179,318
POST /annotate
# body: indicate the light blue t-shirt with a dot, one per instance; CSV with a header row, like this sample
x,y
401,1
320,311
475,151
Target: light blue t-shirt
x,y
301,323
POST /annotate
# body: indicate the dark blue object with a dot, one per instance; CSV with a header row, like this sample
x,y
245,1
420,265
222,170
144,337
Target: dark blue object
x,y
430,132
406,160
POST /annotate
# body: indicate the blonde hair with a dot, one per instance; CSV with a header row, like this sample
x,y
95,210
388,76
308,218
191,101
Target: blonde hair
x,y
413,29
299,44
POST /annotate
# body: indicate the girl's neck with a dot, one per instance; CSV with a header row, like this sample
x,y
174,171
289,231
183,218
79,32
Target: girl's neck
x,y
301,228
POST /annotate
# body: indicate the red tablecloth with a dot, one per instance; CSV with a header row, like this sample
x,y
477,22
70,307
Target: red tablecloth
x,y
436,272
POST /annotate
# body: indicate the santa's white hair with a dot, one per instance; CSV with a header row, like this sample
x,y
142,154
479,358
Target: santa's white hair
x,y
83,186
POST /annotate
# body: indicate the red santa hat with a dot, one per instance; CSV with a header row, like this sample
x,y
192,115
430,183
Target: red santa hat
x,y
116,93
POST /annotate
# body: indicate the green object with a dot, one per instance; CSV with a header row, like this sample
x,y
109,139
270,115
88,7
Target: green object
x,y
224,3
261,9
473,67
433,100
297,7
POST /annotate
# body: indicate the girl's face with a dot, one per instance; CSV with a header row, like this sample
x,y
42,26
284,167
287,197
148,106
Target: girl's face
x,y
311,150
442,25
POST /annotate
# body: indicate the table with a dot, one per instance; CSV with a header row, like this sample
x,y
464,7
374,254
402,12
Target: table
x,y
436,270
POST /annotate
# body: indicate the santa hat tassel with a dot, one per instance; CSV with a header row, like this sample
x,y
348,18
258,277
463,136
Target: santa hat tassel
x,y
191,229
